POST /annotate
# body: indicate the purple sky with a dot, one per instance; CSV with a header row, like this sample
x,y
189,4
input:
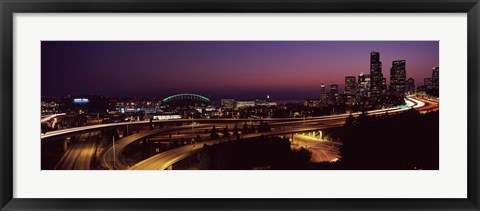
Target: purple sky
x,y
221,69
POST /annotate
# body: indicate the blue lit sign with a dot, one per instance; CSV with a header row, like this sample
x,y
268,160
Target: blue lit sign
x,y
80,100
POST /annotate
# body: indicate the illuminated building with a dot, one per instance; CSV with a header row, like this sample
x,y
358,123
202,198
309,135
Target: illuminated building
x,y
363,85
350,85
410,86
50,107
350,89
228,103
435,81
323,94
376,75
162,116
265,102
397,77
384,86
314,103
334,97
428,83
244,104
334,90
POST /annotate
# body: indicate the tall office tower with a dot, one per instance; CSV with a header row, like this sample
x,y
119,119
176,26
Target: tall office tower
x,y
376,75
323,94
428,83
350,85
397,77
410,86
363,85
384,86
334,90
435,77
435,81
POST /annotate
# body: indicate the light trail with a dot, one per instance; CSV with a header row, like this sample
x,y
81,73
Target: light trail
x,y
48,118
166,159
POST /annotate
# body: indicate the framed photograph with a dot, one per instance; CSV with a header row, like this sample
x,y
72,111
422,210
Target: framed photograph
x,y
227,105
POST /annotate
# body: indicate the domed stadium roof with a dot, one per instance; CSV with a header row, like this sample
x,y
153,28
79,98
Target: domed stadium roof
x,y
186,99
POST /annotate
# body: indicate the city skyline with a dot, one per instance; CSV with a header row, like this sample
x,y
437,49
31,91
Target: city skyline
x,y
240,105
222,69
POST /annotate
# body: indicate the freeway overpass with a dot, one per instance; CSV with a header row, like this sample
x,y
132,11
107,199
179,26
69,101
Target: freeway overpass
x,y
112,157
58,134
112,154
166,159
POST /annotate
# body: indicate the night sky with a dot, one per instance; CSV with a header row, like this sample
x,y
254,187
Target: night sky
x,y
221,69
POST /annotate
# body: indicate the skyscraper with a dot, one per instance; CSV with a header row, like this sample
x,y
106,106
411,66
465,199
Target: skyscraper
x,y
428,83
334,90
350,85
397,77
376,75
435,81
363,85
323,94
333,93
384,86
410,86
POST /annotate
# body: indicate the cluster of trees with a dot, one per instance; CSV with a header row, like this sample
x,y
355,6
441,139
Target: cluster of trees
x,y
259,153
403,141
262,127
338,107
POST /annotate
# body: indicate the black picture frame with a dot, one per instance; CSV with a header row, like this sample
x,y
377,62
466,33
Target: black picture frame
x,y
9,7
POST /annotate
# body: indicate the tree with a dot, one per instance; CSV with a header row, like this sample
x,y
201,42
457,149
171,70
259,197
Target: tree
x,y
245,128
45,128
213,132
263,127
198,138
363,118
225,132
267,127
235,130
349,121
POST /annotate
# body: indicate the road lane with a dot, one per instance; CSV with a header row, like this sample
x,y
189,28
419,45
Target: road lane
x,y
80,155
164,160
107,159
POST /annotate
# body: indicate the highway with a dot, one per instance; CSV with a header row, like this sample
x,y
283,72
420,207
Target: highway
x,y
79,130
166,159
57,134
82,151
322,150
428,106
81,154
107,159
50,117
